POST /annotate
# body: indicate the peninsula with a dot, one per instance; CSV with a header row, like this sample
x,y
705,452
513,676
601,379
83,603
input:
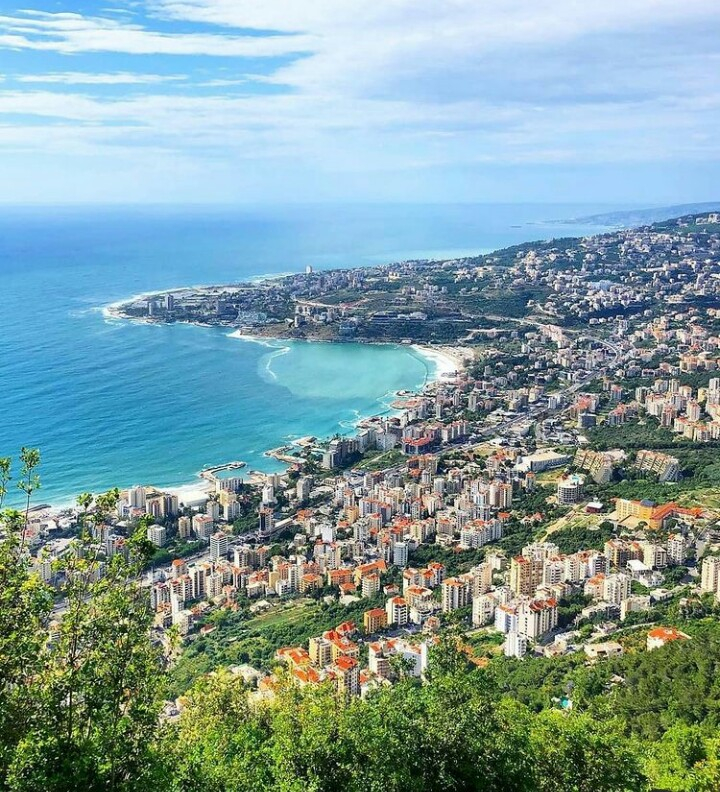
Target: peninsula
x,y
572,283
543,522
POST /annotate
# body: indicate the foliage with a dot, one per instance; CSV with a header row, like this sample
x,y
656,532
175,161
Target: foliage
x,y
573,539
453,733
82,693
78,705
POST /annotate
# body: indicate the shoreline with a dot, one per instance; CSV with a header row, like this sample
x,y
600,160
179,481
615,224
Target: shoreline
x,y
447,362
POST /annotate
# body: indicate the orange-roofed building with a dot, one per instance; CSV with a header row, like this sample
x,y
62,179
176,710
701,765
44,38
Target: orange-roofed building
x,y
307,676
310,582
373,567
337,576
660,636
347,628
374,619
294,656
345,673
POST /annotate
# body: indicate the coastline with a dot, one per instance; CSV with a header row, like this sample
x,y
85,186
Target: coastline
x,y
446,363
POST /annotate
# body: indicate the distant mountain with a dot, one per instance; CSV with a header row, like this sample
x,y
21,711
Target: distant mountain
x,y
636,217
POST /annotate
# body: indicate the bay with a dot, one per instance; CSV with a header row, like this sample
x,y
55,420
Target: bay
x,y
115,403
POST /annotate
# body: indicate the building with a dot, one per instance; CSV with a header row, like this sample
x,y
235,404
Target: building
x,y
266,521
655,516
345,673
374,620
157,534
203,525
676,549
455,594
515,645
400,554
710,575
219,546
522,580
543,460
660,636
370,585
616,588
569,490
664,466
184,527
398,611
537,617
320,651
526,570
483,610
601,651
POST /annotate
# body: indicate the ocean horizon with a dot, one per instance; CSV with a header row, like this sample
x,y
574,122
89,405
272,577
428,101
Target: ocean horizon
x,y
115,403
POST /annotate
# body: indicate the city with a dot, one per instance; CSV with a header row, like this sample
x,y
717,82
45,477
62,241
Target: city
x,y
489,503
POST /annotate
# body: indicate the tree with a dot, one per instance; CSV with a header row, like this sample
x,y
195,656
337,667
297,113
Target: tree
x,y
25,605
78,705
579,753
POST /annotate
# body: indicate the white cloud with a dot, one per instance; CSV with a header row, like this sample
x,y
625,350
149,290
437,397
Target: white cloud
x,y
380,86
87,78
74,33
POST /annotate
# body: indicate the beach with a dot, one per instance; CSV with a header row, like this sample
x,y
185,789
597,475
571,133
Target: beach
x,y
443,362
112,402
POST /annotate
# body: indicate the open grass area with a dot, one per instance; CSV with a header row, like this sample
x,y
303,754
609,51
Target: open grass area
x,y
284,615
383,460
708,498
550,477
574,519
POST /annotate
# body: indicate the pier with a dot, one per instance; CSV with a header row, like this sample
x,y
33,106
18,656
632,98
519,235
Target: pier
x,y
210,473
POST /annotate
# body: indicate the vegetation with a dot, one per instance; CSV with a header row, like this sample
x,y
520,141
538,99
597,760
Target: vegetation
x,y
242,638
575,538
82,692
79,695
453,733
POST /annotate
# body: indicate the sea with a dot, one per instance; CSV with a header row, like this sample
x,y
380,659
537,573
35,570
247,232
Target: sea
x,y
115,403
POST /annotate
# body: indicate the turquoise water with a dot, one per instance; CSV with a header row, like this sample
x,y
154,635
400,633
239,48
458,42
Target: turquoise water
x,y
116,403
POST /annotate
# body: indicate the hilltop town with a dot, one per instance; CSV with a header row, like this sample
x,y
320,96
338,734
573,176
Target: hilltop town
x,y
573,283
556,497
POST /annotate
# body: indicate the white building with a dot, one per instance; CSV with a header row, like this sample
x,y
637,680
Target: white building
x,y
455,594
616,588
483,610
157,534
203,525
515,645
710,575
219,546
676,549
569,490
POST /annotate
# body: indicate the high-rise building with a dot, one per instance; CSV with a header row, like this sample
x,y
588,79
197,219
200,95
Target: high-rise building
x,y
616,588
203,526
400,554
157,534
219,546
710,575
184,527
345,673
455,594
266,521
569,490
136,497
676,549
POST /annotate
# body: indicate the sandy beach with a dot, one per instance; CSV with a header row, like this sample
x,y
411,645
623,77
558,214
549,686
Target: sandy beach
x,y
448,360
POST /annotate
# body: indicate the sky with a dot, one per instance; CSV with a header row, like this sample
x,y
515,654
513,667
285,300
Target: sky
x,y
241,101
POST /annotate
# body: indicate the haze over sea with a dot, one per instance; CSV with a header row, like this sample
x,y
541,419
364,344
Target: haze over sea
x,y
116,403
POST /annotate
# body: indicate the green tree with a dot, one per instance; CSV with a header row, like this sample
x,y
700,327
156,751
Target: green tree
x,y
79,702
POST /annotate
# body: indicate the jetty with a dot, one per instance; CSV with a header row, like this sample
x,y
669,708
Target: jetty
x,y
211,473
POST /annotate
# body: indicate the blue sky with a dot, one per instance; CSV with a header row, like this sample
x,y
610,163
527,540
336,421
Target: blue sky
x,y
351,100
